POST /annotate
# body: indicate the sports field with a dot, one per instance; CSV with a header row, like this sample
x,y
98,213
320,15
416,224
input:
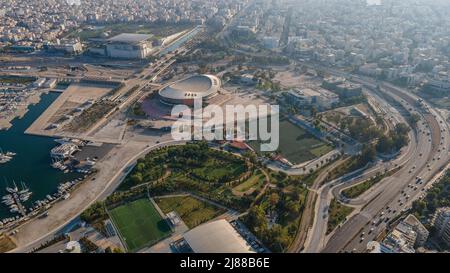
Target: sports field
x,y
296,144
139,224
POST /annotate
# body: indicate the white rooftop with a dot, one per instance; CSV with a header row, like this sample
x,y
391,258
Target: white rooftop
x,y
130,38
216,237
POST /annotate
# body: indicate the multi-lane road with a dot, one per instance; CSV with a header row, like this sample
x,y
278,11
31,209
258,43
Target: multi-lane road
x,y
426,155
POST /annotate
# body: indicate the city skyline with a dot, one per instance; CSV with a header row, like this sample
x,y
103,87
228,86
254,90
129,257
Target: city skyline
x,y
149,121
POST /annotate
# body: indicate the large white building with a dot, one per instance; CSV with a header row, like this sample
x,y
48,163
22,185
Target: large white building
x,y
185,91
129,46
216,237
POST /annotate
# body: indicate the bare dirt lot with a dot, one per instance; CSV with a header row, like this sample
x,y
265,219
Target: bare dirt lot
x,y
291,79
69,104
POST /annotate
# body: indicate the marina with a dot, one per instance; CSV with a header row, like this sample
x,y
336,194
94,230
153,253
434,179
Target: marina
x,y
30,163
16,197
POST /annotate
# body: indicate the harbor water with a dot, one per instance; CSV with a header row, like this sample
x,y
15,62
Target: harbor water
x,y
31,164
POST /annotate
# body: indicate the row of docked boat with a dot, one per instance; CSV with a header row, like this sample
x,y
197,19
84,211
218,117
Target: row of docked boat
x,y
63,192
15,197
9,220
6,157
37,206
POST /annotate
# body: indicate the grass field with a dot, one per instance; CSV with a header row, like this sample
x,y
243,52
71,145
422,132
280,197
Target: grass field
x,y
192,211
297,145
254,181
139,224
214,170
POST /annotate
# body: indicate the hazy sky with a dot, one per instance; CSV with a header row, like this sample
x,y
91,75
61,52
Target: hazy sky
x,y
373,2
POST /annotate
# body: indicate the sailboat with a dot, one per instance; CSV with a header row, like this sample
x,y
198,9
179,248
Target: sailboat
x,y
4,158
25,193
12,190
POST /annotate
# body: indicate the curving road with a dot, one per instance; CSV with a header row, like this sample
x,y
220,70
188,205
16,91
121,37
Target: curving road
x,y
396,193
37,231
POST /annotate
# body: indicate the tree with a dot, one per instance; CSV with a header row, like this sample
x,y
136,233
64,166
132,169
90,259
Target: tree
x,y
117,250
414,118
368,153
273,199
384,144
136,178
401,129
140,166
256,219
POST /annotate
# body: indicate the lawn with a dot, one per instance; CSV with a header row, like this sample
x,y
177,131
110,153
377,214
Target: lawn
x,y
321,149
215,170
337,214
254,181
296,144
192,211
139,224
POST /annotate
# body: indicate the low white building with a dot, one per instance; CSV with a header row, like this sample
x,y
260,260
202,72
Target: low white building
x,y
51,83
216,237
64,151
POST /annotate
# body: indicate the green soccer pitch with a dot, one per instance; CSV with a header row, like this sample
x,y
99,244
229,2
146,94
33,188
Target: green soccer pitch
x,y
139,224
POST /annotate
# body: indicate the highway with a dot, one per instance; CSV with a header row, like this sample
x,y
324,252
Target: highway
x,y
394,194
308,211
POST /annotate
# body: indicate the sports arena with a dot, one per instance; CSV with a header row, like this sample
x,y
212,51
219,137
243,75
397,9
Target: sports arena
x,y
185,91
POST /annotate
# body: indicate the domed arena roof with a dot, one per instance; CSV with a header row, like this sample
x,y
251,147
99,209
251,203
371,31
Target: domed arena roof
x,y
197,86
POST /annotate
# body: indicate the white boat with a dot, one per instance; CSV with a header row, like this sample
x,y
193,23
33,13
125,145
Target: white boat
x,y
4,158
8,196
11,190
63,140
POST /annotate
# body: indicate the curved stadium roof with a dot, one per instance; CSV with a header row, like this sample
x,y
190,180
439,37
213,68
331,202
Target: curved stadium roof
x,y
198,86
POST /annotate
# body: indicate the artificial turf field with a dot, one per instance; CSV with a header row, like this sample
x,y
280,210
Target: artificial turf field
x,y
139,224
